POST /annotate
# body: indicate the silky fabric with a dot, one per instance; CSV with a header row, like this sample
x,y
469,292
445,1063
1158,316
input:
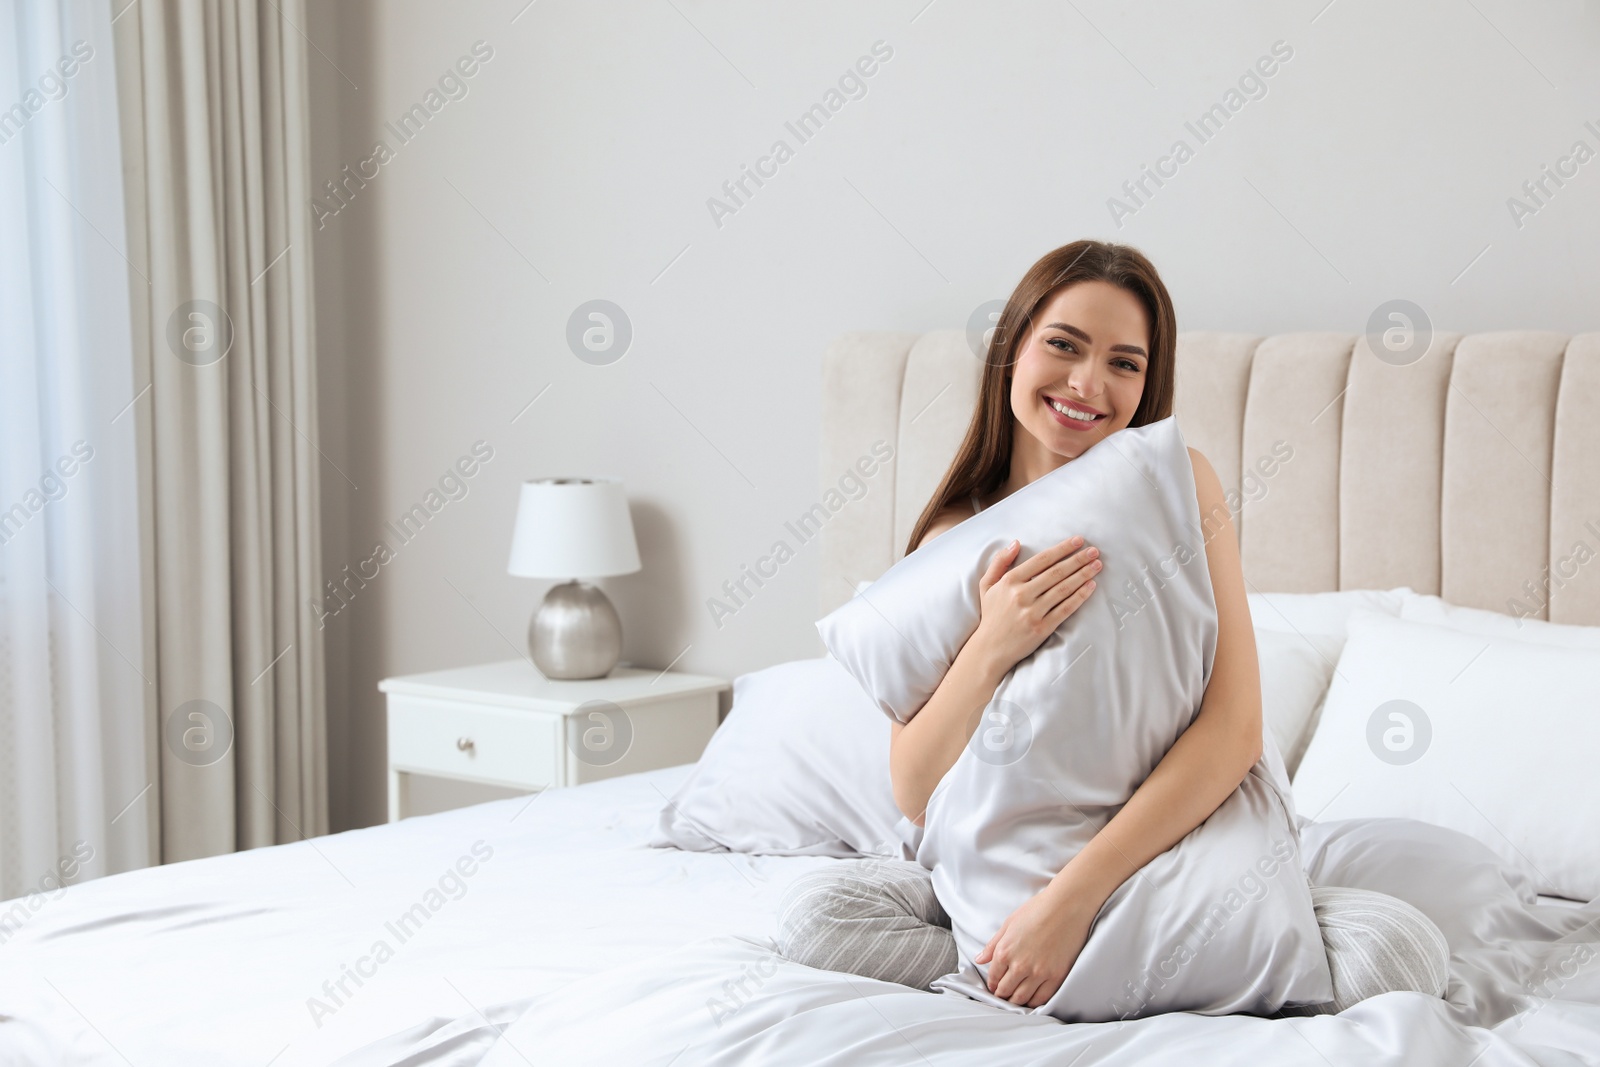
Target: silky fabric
x,y
1222,921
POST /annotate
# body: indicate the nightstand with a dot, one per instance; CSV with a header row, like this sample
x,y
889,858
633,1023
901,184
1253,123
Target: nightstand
x,y
504,724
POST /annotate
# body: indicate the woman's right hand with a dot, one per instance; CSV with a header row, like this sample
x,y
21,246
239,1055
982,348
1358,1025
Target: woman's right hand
x,y
1023,605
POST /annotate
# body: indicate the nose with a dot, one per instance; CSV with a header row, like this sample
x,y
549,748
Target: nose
x,y
1084,382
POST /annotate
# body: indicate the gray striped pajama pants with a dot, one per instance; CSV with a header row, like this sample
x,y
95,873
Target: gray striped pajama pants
x,y
879,918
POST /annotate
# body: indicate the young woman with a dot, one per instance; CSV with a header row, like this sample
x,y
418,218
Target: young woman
x,y
1084,347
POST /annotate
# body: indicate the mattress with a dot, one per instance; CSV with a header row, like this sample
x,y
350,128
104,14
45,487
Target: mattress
x,y
543,930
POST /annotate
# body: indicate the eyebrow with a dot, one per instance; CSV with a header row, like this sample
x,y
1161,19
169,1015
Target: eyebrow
x,y
1074,331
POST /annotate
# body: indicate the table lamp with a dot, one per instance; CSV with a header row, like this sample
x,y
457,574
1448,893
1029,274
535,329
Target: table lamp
x,y
574,528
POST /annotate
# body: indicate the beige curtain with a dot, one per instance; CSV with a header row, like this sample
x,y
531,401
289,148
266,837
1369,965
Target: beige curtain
x,y
215,145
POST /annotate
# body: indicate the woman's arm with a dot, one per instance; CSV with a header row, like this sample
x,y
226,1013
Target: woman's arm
x,y
1212,756
1021,605
1032,952
922,751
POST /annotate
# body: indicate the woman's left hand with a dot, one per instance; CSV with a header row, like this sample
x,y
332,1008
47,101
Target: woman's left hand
x,y
1036,946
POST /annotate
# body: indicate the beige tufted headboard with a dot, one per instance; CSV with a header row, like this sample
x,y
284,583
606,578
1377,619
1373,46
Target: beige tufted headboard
x,y
1472,473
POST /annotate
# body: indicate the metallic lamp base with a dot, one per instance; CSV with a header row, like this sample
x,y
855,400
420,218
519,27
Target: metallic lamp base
x,y
575,633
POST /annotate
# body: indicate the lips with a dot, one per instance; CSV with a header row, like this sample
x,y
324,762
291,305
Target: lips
x,y
1069,422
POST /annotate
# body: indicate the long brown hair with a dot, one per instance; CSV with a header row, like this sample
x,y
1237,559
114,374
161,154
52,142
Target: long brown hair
x,y
983,461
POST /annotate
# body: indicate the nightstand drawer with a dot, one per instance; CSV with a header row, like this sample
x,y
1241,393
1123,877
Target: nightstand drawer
x,y
507,746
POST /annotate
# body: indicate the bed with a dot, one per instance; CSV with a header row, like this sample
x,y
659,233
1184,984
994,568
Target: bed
x,y
546,930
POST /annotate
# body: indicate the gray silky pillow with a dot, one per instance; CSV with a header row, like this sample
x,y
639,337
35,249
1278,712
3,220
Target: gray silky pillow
x,y
1222,921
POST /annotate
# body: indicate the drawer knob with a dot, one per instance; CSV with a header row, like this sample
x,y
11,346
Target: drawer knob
x,y
464,744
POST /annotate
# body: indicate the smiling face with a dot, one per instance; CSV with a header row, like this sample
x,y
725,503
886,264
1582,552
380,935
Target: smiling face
x,y
1087,351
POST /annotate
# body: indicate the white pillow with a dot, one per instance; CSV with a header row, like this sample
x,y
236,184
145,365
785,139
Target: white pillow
x,y
1072,732
1298,640
1421,607
800,767
1295,671
1497,740
1320,614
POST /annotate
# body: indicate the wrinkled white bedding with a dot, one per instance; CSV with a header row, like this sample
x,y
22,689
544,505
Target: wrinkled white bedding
x,y
573,943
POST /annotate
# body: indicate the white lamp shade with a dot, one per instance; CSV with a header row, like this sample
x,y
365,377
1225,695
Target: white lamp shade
x,y
573,528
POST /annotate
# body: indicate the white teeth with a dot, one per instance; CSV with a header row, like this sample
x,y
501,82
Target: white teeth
x,y
1072,413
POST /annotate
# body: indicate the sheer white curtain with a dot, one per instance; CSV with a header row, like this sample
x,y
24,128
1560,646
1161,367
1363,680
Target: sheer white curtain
x,y
77,743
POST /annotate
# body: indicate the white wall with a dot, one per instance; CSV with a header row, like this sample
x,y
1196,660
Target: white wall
x,y
1377,165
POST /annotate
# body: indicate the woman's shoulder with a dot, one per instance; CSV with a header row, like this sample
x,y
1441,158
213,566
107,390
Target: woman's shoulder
x,y
1207,486
951,516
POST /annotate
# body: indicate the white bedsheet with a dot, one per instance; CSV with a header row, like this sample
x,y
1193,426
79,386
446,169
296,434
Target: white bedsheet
x,y
575,943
